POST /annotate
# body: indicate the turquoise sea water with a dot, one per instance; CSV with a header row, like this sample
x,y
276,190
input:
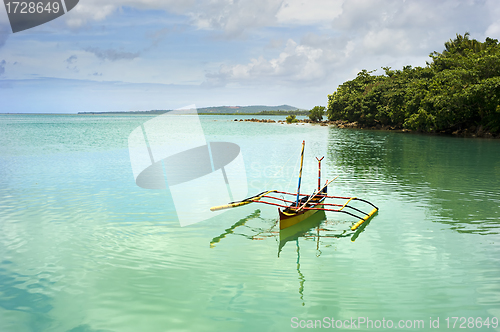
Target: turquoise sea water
x,y
82,248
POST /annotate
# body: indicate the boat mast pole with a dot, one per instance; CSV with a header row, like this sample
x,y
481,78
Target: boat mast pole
x,y
300,173
319,172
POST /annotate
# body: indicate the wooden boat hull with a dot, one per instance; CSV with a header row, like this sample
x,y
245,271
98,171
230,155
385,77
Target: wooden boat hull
x,y
289,218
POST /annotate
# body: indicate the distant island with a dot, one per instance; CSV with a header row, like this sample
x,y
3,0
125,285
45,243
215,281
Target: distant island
x,y
457,93
226,110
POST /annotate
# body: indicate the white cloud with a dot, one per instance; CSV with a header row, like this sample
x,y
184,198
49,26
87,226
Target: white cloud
x,y
230,16
235,16
313,12
380,41
304,62
363,34
97,10
354,17
493,30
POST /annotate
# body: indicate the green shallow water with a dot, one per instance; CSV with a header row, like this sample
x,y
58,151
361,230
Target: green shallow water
x,y
82,248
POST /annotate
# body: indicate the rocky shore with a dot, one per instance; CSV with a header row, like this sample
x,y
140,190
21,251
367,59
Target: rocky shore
x,y
473,131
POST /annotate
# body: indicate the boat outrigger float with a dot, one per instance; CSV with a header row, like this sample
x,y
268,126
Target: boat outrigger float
x,y
299,207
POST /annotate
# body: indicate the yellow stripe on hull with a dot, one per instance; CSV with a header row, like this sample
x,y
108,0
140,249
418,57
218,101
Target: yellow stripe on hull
x,y
288,219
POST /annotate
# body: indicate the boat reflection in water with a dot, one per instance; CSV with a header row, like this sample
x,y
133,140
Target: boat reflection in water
x,y
230,230
316,227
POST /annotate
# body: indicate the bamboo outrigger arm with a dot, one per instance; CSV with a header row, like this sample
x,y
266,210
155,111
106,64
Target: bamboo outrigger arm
x,y
362,220
243,202
366,217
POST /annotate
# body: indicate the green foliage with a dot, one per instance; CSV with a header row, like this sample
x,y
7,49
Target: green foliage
x,y
459,89
291,119
316,114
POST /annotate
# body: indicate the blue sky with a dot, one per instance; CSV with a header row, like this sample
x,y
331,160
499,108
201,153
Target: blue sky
x,y
112,55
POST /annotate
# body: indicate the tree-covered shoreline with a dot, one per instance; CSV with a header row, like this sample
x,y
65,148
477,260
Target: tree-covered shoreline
x,y
457,92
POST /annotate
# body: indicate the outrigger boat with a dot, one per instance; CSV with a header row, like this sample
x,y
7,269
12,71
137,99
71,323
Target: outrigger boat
x,y
292,212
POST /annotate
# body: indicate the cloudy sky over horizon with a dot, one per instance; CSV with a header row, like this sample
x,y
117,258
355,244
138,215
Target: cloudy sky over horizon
x,y
119,55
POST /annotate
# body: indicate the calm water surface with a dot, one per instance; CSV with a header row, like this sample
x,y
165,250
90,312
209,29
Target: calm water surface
x,y
82,248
